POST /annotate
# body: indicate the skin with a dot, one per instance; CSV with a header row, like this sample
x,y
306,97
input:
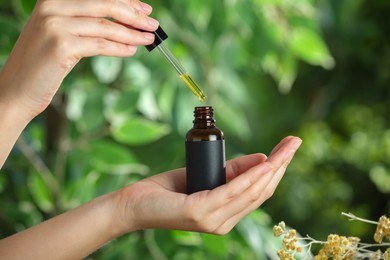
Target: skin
x,y
59,34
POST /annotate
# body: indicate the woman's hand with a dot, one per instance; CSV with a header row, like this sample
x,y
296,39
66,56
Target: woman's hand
x,y
160,201
156,202
60,33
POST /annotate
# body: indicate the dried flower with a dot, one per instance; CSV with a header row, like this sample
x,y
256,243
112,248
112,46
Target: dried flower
x,y
284,255
279,229
377,255
337,247
382,230
289,240
386,255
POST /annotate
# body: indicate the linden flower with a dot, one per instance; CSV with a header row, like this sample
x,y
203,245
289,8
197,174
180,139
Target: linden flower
x,y
279,229
290,239
382,230
377,255
284,255
339,247
386,255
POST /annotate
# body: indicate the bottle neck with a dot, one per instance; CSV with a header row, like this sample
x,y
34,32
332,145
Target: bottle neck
x,y
204,117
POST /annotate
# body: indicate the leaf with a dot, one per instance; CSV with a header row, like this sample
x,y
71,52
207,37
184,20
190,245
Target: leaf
x,y
110,157
76,100
40,192
138,73
308,45
228,82
23,7
120,105
218,245
9,32
231,117
380,176
139,131
80,190
147,104
106,69
186,238
92,117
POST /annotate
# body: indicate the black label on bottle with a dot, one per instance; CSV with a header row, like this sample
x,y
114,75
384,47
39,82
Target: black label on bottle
x,y
205,163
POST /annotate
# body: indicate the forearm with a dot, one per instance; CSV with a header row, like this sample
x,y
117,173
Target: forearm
x,y
72,235
12,123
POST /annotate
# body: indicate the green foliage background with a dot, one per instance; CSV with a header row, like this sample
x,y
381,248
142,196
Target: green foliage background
x,y
313,68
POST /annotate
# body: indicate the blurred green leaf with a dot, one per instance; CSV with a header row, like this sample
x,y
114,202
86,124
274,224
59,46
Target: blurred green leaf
x,y
147,105
186,238
217,245
232,119
138,74
106,69
77,100
380,175
137,131
9,33
80,190
86,107
23,7
110,157
40,192
120,105
308,45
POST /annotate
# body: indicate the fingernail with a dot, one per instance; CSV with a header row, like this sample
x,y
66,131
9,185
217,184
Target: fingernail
x,y
153,22
294,148
148,36
296,144
132,48
147,8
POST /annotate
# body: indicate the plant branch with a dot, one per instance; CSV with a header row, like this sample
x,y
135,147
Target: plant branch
x,y
353,217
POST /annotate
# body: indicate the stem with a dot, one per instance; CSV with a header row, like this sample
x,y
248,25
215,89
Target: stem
x,y
372,245
353,217
39,166
153,247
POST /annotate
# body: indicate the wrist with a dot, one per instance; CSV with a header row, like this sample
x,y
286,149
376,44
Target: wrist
x,y
110,208
12,110
126,212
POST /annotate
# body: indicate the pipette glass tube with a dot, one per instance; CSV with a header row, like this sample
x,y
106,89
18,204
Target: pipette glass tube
x,y
184,75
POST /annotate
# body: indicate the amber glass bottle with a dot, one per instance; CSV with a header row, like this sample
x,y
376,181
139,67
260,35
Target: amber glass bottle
x,y
205,152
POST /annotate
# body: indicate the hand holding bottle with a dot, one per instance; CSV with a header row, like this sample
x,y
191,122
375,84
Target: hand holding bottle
x,y
160,201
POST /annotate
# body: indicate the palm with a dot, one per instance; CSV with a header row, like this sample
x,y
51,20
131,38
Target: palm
x,y
161,202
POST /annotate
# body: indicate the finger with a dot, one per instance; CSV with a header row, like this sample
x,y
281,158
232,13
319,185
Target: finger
x,y
90,46
147,9
281,143
241,164
257,186
127,12
234,188
223,195
103,28
285,149
257,194
254,197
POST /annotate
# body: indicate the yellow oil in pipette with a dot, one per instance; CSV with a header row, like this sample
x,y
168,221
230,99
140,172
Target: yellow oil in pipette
x,y
184,75
193,86
160,36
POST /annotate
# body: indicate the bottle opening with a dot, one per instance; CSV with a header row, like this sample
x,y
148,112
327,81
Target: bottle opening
x,y
204,115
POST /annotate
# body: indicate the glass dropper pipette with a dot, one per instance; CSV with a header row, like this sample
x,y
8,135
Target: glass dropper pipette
x,y
160,36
